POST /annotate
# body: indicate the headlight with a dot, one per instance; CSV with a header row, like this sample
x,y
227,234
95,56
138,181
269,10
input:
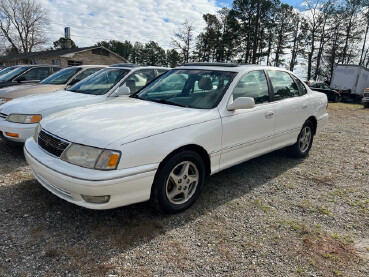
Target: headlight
x,y
4,100
37,132
91,157
24,118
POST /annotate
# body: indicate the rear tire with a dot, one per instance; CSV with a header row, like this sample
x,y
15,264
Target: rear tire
x,y
178,182
304,141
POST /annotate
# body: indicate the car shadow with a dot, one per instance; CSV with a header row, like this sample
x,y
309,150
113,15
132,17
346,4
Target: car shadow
x,y
60,230
11,157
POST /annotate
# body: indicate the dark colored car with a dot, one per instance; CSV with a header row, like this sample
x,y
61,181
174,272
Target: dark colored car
x,y
332,95
27,74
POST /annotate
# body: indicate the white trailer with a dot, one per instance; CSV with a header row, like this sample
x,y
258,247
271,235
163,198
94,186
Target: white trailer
x,y
351,81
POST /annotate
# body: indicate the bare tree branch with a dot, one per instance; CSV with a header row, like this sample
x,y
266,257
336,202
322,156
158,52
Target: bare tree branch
x,y
22,23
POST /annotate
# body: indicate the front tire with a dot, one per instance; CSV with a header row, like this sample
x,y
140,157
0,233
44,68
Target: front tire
x,y
178,182
336,98
304,141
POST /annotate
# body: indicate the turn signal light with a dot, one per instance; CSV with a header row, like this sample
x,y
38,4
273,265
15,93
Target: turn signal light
x,y
13,135
36,118
113,160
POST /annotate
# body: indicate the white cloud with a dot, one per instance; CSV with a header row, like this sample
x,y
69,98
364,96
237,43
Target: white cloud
x,y
134,20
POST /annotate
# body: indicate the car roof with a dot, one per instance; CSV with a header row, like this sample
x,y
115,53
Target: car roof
x,y
89,66
37,65
232,67
138,67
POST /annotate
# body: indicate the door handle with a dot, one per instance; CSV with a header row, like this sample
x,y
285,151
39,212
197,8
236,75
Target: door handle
x,y
269,114
304,106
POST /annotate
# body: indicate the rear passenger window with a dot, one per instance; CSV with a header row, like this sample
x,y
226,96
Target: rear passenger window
x,y
283,84
253,84
301,86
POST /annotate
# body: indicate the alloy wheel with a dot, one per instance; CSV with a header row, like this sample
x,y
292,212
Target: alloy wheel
x,y
182,182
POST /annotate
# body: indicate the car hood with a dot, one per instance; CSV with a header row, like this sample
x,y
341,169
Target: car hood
x,y
25,90
48,103
123,120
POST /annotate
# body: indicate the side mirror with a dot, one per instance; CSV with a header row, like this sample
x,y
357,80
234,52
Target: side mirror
x,y
241,103
20,79
123,91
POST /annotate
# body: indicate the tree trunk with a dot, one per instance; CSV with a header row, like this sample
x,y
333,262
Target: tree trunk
x,y
255,46
363,49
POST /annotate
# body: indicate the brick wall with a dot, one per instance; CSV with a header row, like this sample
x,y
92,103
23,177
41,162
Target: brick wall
x,y
86,57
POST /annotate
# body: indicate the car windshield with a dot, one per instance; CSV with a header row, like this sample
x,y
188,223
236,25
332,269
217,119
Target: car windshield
x,y
100,82
6,70
11,74
200,89
62,76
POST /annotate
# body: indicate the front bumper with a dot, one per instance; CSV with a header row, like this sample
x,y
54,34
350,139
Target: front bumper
x,y
24,131
67,181
365,100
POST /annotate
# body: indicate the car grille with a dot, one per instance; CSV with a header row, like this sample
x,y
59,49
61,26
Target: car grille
x,y
3,115
52,144
366,94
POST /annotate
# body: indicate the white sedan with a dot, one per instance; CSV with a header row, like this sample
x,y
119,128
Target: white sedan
x,y
163,141
19,117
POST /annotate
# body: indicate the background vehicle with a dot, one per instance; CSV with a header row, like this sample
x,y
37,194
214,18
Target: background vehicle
x,y
350,81
365,99
332,95
19,117
58,81
27,74
162,142
7,69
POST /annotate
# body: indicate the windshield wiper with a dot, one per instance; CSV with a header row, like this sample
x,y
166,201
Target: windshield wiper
x,y
164,101
136,96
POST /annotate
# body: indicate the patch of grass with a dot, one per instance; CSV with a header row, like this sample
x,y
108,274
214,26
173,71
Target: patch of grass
x,y
261,206
324,210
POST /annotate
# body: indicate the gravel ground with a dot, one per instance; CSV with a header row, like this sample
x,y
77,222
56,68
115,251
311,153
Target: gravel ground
x,y
271,216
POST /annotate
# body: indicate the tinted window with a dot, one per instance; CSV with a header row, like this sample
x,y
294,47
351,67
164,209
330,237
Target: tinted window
x,y
6,70
101,82
62,76
84,74
326,87
283,85
139,79
302,87
253,84
38,73
161,71
10,75
202,89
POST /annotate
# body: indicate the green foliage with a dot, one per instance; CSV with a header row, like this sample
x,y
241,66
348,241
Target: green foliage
x,y
58,44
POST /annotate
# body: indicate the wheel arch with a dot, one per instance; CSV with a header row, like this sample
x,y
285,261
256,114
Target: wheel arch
x,y
315,123
195,148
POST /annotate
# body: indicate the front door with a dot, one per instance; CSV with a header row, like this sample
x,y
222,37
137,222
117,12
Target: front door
x,y
248,132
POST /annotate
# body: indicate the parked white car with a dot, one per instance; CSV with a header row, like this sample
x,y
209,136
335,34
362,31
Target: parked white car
x,y
19,117
58,81
162,142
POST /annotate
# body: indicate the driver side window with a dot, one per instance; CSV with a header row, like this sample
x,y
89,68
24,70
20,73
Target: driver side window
x,y
139,79
38,73
254,85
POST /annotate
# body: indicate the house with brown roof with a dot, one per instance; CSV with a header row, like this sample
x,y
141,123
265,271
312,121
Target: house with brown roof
x,y
65,57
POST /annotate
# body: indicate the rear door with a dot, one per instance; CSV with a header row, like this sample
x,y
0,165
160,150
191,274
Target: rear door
x,y
290,108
